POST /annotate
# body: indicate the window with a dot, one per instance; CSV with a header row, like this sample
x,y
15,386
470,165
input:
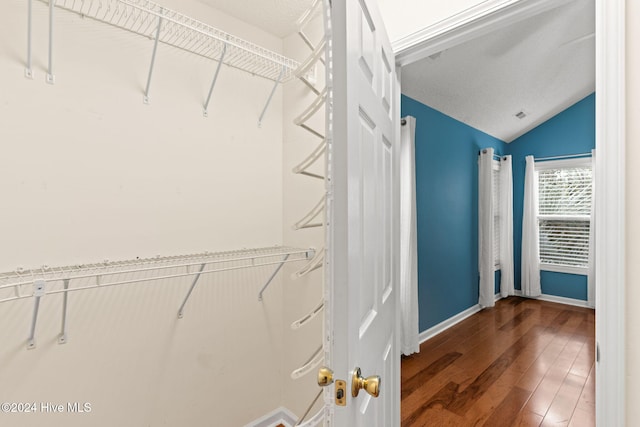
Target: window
x,y
496,213
564,214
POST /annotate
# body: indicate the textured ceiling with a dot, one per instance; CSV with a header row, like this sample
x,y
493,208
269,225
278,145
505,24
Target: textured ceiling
x,y
277,17
539,66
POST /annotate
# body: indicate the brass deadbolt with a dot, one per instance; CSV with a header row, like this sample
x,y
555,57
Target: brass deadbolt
x,y
370,384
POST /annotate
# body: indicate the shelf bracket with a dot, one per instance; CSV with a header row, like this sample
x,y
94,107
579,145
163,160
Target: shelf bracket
x,y
193,285
213,83
273,275
28,72
62,338
153,61
38,292
275,86
51,79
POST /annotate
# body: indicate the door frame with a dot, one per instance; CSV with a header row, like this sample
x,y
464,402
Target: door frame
x,y
610,166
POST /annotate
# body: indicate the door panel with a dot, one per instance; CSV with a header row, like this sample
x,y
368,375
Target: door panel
x,y
363,264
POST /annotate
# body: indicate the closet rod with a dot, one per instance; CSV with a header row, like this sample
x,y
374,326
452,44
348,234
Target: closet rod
x,y
566,156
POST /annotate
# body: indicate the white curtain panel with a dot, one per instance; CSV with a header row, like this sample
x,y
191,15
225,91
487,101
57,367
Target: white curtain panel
x,y
506,227
591,277
408,241
486,297
530,233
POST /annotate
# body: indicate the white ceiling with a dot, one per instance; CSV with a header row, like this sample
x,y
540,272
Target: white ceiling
x,y
539,66
277,17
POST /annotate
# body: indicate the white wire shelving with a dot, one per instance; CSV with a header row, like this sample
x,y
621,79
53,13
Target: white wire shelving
x,y
167,26
37,283
179,30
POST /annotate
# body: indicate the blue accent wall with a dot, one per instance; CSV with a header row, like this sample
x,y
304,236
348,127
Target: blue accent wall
x,y
447,211
573,131
447,202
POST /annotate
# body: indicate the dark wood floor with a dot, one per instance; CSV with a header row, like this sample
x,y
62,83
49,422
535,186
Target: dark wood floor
x,y
523,363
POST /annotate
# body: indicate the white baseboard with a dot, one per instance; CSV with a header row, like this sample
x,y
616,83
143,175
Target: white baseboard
x,y
443,326
560,300
278,416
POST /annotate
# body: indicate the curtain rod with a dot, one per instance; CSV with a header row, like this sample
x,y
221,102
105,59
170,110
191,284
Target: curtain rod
x,y
566,156
484,151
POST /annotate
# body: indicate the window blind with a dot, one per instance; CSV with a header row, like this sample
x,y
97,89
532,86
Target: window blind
x,y
564,210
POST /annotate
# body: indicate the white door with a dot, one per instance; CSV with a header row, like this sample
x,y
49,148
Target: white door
x,y
363,257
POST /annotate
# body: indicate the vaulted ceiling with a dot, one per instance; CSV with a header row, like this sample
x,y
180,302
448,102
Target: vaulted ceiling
x,y
509,81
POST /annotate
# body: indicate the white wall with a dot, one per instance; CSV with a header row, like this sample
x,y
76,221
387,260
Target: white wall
x,y
633,212
91,172
88,172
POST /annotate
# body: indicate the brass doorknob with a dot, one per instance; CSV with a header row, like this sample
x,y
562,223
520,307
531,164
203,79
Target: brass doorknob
x,y
370,384
325,376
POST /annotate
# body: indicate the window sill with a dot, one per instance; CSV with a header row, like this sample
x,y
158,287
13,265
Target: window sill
x,y
565,269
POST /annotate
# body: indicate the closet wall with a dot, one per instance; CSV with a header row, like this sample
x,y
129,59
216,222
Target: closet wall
x,y
91,173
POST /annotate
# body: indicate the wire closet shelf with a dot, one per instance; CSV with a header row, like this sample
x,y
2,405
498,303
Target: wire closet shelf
x,y
144,17
36,283
26,283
